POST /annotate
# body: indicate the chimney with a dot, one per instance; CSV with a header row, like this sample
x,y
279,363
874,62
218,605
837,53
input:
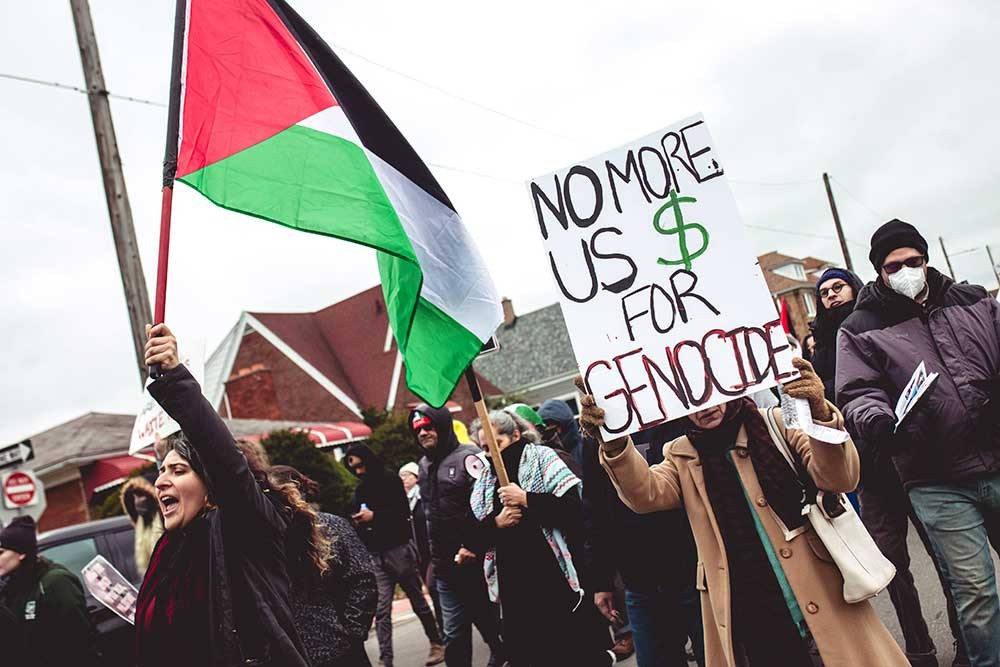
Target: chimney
x,y
509,318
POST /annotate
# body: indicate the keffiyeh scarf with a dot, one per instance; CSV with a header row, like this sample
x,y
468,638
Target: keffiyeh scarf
x,y
540,471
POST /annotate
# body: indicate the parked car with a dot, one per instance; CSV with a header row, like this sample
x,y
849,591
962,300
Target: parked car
x,y
74,547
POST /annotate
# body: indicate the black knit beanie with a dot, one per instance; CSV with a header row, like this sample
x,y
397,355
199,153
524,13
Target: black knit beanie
x,y
20,535
892,235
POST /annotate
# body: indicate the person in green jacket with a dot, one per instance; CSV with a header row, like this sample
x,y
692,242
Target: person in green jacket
x,y
43,614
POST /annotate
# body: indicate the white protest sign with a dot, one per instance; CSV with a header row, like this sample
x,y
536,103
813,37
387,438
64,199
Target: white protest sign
x,y
152,422
666,307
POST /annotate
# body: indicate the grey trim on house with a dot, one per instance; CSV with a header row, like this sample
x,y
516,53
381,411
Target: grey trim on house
x,y
533,350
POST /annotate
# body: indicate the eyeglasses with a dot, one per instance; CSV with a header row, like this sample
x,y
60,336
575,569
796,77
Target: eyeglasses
x,y
832,289
912,262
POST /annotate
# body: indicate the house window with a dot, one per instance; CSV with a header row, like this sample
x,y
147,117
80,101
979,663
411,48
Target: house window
x,y
793,270
810,304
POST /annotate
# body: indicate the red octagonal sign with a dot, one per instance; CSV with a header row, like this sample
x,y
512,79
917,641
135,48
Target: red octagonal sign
x,y
19,489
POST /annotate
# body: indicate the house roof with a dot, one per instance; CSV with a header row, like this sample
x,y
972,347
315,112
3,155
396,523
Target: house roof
x,y
813,263
777,283
347,347
534,349
97,435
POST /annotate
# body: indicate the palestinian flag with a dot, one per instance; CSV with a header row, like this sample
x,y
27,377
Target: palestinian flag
x,y
266,120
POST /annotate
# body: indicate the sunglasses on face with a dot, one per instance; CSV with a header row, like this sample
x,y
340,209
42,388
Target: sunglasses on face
x,y
912,262
832,289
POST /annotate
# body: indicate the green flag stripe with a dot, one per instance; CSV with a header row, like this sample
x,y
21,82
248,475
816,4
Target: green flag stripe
x,y
316,182
311,181
438,343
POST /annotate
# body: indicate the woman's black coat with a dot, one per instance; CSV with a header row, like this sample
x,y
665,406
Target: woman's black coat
x,y
246,537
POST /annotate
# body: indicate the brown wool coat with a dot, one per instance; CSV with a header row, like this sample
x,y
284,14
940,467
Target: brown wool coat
x,y
847,635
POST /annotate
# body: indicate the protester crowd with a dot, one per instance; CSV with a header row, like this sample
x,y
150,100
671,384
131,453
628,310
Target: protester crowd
x,y
686,543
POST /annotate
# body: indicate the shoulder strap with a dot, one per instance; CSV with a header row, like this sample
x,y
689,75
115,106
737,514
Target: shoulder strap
x,y
779,440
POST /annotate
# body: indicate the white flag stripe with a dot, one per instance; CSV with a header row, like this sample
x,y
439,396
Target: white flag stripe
x,y
456,279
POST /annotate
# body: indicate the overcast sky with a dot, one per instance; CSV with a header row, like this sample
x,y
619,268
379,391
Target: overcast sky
x,y
897,101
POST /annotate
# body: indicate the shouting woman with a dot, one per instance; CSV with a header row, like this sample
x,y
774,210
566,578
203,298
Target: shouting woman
x,y
216,590
766,597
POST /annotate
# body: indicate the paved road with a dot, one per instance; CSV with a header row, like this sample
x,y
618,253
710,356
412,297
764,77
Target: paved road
x,y
411,645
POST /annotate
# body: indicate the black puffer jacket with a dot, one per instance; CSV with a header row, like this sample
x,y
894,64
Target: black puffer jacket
x,y
246,533
383,493
952,434
445,487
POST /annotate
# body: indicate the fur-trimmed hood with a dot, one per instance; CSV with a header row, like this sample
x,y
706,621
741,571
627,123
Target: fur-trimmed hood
x,y
135,487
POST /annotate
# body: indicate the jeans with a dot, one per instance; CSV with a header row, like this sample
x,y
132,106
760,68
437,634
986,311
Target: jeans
x,y
464,603
962,520
663,619
392,566
886,513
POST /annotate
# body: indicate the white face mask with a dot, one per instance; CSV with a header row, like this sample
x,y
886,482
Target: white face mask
x,y
908,281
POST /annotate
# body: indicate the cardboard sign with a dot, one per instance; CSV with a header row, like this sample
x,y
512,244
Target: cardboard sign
x,y
152,422
666,307
110,587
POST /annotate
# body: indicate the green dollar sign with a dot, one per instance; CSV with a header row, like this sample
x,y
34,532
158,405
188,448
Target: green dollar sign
x,y
680,229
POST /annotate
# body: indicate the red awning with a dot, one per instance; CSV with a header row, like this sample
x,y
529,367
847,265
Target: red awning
x,y
110,472
328,435
337,433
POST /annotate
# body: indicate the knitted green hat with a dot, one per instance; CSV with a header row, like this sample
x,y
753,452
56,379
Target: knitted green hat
x,y
526,413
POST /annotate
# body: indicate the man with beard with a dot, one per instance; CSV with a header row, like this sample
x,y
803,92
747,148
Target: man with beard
x,y
445,486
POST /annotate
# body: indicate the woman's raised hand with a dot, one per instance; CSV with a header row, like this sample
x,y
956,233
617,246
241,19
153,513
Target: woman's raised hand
x,y
161,347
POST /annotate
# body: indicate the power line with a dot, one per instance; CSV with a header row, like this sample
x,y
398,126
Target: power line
x,y
812,181
785,231
479,174
857,200
455,96
77,89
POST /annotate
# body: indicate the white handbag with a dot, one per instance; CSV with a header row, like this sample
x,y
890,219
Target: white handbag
x,y
866,572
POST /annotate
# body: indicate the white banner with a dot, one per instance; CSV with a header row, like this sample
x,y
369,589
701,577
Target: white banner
x,y
152,422
667,309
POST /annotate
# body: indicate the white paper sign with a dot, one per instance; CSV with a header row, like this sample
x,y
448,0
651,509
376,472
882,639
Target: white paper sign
x,y
110,587
152,422
666,307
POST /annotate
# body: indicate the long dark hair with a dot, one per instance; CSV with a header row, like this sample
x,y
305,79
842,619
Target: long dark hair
x,y
307,550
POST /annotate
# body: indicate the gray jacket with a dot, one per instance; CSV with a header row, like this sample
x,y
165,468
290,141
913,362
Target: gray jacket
x,y
953,433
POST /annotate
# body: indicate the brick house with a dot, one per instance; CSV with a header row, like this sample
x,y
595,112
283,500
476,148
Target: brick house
x,y
321,366
81,459
794,280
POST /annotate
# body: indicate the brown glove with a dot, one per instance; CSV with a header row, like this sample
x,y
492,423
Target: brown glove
x,y
592,419
810,387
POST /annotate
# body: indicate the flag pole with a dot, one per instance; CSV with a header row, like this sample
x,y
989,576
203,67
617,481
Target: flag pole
x,y
169,168
484,418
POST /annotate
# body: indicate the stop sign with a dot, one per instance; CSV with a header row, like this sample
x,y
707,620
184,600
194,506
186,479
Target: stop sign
x,y
19,490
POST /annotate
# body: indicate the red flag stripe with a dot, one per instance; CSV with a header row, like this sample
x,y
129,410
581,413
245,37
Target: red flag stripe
x,y
246,79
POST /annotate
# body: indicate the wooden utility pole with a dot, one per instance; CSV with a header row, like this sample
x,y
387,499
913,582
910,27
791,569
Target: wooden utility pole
x,y
993,265
836,223
947,260
119,210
